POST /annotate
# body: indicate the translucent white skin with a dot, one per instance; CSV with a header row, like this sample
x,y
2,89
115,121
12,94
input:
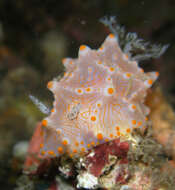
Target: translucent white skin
x,y
100,97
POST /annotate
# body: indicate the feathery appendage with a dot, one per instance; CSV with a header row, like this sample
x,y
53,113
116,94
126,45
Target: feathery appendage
x,y
136,48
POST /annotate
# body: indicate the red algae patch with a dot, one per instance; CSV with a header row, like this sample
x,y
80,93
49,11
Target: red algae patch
x,y
98,158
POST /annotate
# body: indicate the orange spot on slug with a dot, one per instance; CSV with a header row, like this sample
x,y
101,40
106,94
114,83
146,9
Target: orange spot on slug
x,y
117,128
110,90
139,123
82,47
52,110
157,74
93,118
111,36
128,130
50,84
44,123
60,150
111,69
79,91
75,151
134,122
128,75
64,142
99,62
118,133
150,82
58,132
43,152
51,152
99,136
133,107
98,104
88,89
76,143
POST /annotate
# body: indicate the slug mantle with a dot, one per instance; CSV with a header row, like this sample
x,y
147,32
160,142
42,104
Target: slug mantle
x,y
100,98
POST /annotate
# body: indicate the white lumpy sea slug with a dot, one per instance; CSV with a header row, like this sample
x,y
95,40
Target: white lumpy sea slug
x,y
99,98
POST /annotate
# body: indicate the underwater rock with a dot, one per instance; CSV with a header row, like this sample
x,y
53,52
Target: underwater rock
x,y
63,185
104,166
103,156
111,165
163,120
67,167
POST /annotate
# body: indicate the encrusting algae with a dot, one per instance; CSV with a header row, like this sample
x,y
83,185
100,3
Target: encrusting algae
x,y
100,97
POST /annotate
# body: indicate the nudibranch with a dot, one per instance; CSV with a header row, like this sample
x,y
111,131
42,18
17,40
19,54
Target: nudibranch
x,y
99,98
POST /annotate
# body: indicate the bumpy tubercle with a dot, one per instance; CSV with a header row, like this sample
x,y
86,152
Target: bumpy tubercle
x,y
100,98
